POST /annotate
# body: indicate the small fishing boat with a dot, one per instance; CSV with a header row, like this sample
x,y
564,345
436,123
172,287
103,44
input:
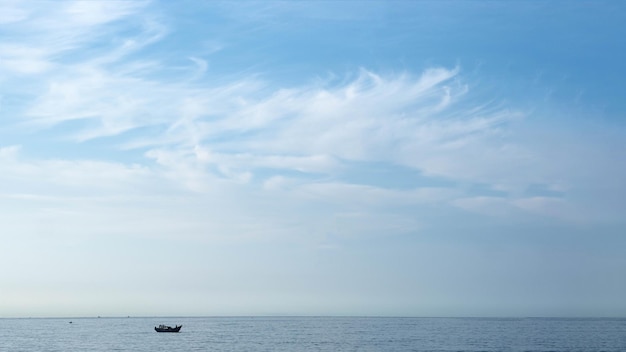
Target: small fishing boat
x,y
165,328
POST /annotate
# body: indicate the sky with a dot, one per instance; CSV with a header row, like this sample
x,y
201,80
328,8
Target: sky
x,y
385,158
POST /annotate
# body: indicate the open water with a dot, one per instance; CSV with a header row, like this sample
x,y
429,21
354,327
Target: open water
x,y
335,334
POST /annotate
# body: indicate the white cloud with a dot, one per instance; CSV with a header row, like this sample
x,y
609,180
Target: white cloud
x,y
10,12
493,206
200,135
51,29
9,152
551,207
373,197
93,12
68,177
400,119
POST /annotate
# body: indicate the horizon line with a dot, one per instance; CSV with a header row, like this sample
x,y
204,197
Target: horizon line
x,y
311,316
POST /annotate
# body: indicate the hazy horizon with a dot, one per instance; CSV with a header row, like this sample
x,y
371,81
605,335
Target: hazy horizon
x,y
379,158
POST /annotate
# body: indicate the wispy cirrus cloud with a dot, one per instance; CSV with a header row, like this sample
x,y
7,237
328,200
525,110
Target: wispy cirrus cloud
x,y
57,51
70,66
47,31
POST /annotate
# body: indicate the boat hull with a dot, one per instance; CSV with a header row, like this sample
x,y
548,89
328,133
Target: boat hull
x,y
168,329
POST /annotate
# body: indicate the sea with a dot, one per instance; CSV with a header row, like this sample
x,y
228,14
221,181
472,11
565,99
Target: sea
x,y
294,334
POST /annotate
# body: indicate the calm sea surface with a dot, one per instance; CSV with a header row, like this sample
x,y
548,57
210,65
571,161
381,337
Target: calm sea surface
x,y
314,334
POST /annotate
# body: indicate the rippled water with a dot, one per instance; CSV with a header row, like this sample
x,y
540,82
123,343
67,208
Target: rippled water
x,y
314,334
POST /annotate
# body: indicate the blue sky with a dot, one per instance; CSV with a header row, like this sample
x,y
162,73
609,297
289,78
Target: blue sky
x,y
426,158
